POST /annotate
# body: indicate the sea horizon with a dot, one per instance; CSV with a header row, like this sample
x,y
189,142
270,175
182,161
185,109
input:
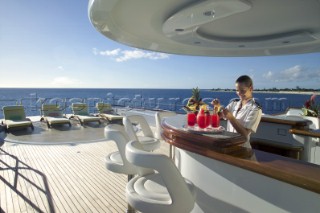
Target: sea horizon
x,y
272,102
278,91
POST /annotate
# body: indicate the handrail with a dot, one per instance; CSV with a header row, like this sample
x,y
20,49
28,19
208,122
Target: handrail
x,y
34,103
280,120
308,133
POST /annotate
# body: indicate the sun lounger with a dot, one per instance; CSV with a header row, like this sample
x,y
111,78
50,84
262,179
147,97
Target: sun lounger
x,y
80,111
52,115
105,111
15,117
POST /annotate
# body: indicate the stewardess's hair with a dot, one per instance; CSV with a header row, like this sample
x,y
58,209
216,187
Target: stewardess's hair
x,y
245,80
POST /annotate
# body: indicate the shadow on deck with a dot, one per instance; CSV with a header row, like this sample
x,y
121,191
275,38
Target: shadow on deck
x,y
18,173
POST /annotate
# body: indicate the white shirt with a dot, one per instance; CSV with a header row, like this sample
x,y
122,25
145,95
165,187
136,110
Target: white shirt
x,y
248,116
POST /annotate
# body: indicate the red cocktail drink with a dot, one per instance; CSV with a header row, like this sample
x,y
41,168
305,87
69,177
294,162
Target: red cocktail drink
x,y
208,120
201,119
191,118
215,120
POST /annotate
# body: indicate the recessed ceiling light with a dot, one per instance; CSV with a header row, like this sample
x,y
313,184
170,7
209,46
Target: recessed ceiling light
x,y
209,13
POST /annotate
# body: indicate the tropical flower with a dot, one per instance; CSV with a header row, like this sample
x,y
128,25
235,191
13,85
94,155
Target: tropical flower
x,y
310,107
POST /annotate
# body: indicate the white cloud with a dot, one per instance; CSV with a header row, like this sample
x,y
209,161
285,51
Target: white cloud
x,y
114,52
293,74
268,75
125,55
65,82
60,68
95,51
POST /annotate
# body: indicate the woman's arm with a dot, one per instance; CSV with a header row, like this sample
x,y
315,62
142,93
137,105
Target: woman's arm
x,y
235,123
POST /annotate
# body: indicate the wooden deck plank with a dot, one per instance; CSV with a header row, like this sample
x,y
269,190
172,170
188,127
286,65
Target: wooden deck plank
x,y
65,181
41,162
24,184
61,179
31,187
91,172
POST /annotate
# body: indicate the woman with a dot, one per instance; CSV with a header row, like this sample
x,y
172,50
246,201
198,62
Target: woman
x,y
243,114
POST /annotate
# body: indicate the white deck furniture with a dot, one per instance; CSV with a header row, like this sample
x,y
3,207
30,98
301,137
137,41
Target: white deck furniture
x,y
106,111
116,161
158,117
81,112
163,190
310,142
15,117
53,115
147,139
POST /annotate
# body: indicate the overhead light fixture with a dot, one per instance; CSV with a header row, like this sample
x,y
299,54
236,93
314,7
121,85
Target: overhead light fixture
x,y
209,13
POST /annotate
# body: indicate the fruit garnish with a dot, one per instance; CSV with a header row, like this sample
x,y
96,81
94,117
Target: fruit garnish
x,y
216,106
204,107
194,102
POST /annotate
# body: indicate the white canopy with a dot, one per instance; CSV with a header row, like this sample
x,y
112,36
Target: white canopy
x,y
212,27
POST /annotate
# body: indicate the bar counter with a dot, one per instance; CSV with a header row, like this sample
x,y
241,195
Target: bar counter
x,y
231,178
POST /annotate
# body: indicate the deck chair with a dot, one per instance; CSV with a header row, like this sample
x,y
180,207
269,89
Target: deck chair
x,y
80,111
52,115
15,117
105,111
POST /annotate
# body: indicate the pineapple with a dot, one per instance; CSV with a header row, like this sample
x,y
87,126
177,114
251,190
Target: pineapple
x,y
195,98
194,102
196,95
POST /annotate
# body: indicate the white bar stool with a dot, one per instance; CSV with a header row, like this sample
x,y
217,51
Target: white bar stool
x,y
116,161
147,139
158,117
163,190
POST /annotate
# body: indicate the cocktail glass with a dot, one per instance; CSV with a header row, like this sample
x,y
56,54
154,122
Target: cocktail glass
x,y
215,120
208,120
191,118
201,120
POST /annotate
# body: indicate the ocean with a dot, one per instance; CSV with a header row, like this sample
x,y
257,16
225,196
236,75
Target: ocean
x,y
169,99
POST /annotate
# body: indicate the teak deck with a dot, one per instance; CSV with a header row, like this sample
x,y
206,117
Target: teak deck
x,y
64,178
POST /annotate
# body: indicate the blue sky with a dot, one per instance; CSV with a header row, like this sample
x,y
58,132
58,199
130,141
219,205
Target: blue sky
x,y
53,44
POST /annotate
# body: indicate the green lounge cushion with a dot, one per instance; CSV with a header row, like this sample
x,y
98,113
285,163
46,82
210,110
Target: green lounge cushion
x,y
15,117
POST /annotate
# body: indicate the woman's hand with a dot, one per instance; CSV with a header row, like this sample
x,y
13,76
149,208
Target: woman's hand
x,y
227,114
235,123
